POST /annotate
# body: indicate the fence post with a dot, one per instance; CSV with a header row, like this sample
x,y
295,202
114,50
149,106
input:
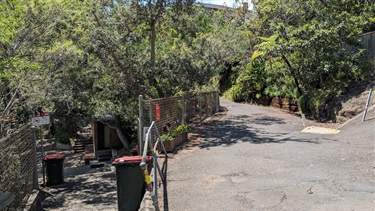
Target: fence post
x,y
366,107
200,107
140,126
35,173
183,108
207,104
151,116
211,104
217,101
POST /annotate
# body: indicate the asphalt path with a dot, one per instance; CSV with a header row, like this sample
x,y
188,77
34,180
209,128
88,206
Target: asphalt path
x,y
256,158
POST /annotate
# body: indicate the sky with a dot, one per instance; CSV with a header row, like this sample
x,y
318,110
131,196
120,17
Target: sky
x,y
221,2
218,2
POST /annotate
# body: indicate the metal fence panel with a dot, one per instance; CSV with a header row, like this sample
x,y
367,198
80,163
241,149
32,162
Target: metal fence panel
x,y
173,111
17,165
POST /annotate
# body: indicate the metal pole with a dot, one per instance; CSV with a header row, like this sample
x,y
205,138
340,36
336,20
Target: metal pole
x,y
35,179
303,120
183,109
367,103
140,126
42,151
151,117
155,184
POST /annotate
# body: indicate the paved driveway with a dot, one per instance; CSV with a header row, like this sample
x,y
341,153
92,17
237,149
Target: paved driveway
x,y
256,158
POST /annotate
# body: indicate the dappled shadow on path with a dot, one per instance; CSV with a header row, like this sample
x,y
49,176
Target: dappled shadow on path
x,y
83,186
245,129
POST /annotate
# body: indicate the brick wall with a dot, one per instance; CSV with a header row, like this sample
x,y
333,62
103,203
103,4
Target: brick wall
x,y
17,165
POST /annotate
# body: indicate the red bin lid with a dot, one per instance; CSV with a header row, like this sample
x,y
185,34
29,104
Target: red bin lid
x,y
130,159
54,156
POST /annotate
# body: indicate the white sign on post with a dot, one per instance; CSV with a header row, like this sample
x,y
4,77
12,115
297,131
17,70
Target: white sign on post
x,y
40,119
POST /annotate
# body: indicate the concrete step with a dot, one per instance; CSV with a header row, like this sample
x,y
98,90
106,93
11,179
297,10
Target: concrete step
x,y
104,158
96,164
104,152
79,145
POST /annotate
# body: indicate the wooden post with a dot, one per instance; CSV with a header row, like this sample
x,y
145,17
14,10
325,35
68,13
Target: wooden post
x,y
217,101
200,107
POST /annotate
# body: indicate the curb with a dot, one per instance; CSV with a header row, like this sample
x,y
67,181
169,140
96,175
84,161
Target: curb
x,y
34,201
147,203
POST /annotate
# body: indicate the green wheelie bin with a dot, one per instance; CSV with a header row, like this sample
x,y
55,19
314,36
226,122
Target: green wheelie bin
x,y
54,164
130,182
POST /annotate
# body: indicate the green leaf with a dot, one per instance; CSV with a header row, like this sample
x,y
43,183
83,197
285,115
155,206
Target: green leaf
x,y
257,54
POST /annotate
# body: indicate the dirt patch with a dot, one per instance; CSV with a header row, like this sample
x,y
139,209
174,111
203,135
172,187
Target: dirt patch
x,y
355,105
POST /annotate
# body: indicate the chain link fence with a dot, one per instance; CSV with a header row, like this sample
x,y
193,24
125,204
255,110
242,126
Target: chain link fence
x,y
17,165
169,113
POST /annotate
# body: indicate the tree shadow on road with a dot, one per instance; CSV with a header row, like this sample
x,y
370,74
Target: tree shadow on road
x,y
243,129
260,119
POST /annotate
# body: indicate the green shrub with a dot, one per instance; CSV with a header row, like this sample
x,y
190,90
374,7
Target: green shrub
x,y
182,129
235,93
174,133
166,137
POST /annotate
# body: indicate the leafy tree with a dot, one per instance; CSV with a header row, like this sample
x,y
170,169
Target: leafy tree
x,y
20,72
118,36
305,50
41,68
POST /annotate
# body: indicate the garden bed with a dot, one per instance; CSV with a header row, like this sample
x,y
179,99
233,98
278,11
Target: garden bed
x,y
171,145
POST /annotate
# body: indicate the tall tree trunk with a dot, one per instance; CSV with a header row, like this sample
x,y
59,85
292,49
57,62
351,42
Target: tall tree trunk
x,y
123,138
152,40
300,95
121,134
293,74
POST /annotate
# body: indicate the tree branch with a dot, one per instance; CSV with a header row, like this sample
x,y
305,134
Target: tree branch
x,y
292,72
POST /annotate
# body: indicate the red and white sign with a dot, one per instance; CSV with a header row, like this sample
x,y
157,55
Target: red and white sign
x,y
40,119
157,110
